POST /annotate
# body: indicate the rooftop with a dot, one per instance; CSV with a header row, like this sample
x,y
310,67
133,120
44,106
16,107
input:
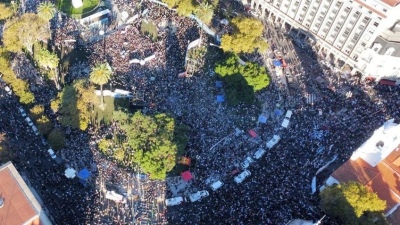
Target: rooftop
x,y
20,206
391,2
383,179
380,144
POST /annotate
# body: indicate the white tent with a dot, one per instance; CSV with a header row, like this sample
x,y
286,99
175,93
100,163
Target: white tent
x,y
70,173
288,114
285,123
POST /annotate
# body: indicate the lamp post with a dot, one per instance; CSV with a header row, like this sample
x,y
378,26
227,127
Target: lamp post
x,y
102,34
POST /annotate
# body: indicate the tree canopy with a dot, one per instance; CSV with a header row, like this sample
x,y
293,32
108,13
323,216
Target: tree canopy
x,y
246,36
56,139
22,32
46,11
350,201
241,81
6,11
152,142
19,86
75,104
204,10
100,75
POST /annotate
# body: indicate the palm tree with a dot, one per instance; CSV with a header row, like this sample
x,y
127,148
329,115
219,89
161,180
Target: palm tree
x,y
100,75
46,11
205,12
49,61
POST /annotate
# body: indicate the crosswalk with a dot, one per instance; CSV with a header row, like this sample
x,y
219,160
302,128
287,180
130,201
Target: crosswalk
x,y
311,98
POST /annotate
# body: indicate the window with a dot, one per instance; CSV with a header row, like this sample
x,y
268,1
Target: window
x,y
363,44
376,24
389,51
385,10
355,57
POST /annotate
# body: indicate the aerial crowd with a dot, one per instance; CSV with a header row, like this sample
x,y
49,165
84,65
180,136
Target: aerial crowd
x,y
278,189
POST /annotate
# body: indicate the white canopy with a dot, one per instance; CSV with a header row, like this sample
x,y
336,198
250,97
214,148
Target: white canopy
x,y
70,173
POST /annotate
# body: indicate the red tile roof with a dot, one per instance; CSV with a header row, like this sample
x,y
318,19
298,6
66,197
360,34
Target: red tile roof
x,y
391,2
17,208
383,179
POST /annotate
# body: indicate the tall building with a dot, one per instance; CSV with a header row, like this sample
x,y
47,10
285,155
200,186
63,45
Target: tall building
x,y
365,34
18,206
376,164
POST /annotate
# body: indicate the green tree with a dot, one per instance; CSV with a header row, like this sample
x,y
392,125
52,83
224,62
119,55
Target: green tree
x,y
20,87
76,101
6,11
22,32
48,61
100,75
171,3
242,81
46,11
205,12
56,139
246,37
186,7
36,111
350,201
152,142
44,125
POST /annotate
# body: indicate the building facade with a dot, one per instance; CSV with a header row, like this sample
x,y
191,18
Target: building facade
x,y
345,31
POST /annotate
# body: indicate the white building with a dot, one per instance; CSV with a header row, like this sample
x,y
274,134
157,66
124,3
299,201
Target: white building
x,y
345,30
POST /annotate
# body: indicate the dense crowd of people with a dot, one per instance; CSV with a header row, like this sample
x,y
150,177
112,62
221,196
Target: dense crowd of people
x,y
279,187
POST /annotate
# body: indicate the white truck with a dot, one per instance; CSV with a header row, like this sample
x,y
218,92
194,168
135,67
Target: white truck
x,y
198,195
242,176
271,143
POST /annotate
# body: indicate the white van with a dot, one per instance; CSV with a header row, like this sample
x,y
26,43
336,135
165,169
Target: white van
x,y
240,178
216,185
22,111
35,130
115,197
271,143
198,195
174,201
29,121
51,153
259,153
247,162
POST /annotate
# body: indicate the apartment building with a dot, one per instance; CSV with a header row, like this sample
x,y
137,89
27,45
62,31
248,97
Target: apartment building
x,y
365,34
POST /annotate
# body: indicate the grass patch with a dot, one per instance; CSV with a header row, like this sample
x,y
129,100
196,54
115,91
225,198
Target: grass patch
x,y
66,6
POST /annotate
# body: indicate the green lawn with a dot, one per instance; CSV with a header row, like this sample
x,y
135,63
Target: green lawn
x,y
66,6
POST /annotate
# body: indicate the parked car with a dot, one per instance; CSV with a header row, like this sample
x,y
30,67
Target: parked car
x,y
241,177
174,201
198,195
247,162
271,143
29,121
22,111
259,153
216,185
51,153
